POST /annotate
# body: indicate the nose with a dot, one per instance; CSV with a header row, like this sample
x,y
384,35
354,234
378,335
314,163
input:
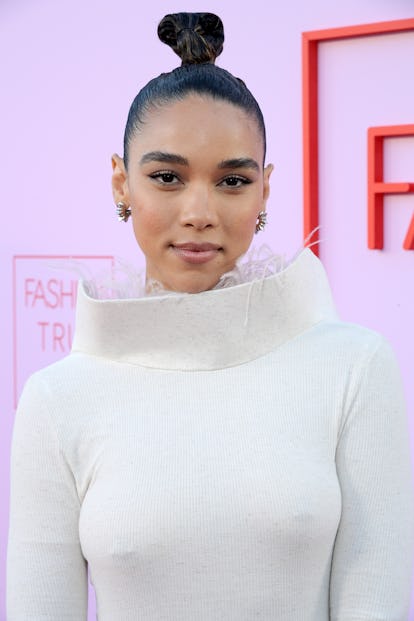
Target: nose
x,y
197,208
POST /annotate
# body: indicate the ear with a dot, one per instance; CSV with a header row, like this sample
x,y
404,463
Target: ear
x,y
120,189
266,183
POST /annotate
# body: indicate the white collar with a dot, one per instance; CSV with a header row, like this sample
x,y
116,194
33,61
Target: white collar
x,y
210,330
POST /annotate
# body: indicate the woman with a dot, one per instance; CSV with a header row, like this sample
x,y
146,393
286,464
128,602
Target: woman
x,y
236,454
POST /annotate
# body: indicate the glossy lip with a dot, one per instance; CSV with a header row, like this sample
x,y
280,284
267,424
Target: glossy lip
x,y
196,253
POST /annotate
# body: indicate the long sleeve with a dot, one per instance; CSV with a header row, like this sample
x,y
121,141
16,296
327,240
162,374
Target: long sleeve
x,y
46,571
371,576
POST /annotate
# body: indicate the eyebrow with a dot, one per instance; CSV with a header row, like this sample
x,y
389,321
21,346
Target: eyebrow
x,y
240,162
161,156
173,158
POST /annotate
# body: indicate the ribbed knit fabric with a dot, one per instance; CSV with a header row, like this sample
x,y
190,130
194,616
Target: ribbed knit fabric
x,y
232,455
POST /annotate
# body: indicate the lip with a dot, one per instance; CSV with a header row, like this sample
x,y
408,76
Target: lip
x,y
196,253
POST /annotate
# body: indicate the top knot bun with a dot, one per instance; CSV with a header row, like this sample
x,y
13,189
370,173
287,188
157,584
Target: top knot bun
x,y
196,37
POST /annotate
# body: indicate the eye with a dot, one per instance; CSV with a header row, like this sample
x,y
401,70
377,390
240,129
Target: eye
x,y
234,181
165,177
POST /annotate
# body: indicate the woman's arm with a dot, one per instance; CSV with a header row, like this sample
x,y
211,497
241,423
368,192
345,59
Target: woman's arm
x,y
371,576
46,572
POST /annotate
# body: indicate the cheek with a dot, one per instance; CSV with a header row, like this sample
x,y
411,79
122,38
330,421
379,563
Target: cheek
x,y
243,220
150,219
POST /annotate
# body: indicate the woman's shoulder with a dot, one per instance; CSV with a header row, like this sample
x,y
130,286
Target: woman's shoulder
x,y
350,341
355,333
62,375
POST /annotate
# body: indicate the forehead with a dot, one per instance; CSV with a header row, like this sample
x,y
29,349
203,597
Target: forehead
x,y
198,126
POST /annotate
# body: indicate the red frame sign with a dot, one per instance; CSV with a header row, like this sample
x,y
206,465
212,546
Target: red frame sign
x,y
310,45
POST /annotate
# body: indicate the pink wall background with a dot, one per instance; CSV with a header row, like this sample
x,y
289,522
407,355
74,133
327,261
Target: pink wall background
x,y
69,72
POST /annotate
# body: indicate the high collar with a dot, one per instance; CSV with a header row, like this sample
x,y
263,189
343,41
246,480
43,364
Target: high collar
x,y
209,330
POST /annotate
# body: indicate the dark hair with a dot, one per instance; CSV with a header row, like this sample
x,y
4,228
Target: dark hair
x,y
198,39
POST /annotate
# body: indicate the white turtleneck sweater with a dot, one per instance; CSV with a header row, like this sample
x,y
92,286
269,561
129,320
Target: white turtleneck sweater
x,y
231,455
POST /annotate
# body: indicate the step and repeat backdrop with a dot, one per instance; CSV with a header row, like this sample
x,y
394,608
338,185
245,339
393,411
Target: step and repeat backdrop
x,y
335,85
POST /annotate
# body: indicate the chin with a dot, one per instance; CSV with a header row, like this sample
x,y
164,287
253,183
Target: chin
x,y
194,287
194,284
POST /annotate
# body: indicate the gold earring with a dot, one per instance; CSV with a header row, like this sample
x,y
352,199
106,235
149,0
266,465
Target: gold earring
x,y
123,212
261,221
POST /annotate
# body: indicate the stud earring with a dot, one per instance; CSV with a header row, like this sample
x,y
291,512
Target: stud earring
x,y
261,221
123,212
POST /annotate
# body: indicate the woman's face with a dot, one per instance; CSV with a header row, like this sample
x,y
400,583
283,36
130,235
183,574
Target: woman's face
x,y
195,184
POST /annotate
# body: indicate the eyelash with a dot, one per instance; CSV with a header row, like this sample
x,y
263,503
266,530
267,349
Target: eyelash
x,y
163,173
170,173
243,180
